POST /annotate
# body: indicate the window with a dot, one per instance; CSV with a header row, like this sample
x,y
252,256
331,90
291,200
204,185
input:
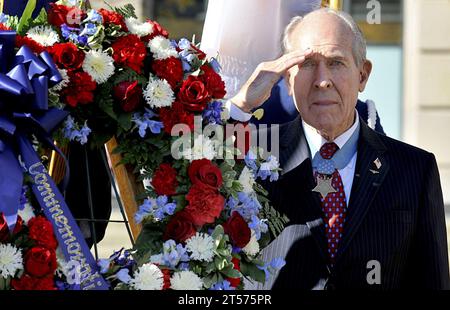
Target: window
x,y
182,18
390,29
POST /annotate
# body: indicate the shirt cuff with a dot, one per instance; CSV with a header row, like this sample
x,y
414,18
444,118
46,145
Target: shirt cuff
x,y
236,113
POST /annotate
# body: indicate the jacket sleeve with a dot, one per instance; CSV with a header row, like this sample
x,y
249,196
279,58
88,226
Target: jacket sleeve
x,y
428,264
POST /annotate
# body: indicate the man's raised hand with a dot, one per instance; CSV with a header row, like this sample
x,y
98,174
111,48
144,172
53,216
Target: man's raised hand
x,y
258,87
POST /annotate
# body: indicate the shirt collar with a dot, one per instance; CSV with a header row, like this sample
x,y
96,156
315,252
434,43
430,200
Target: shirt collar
x,y
315,140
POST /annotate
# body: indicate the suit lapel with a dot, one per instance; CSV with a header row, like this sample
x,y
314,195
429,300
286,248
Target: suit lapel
x,y
295,161
370,171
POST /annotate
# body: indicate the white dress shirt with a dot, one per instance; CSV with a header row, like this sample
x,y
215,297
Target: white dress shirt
x,y
315,142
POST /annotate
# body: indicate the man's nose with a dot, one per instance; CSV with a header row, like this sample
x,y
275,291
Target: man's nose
x,y
323,77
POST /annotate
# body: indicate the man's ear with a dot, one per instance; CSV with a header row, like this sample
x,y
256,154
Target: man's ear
x,y
364,74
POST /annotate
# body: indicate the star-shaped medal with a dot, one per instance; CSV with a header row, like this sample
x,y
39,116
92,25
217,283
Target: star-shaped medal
x,y
324,186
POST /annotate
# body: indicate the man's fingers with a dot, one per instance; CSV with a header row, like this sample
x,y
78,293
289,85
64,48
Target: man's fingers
x,y
289,60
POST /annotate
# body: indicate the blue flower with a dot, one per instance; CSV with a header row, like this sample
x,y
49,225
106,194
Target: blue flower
x,y
89,30
159,210
172,255
247,207
250,161
104,265
123,275
258,225
186,66
94,16
144,210
269,169
184,44
213,111
225,285
232,202
82,40
263,174
69,33
144,122
72,132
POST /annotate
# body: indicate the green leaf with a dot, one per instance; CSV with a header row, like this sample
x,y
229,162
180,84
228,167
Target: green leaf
x,y
42,18
230,272
252,271
26,16
124,121
149,241
220,262
218,232
211,279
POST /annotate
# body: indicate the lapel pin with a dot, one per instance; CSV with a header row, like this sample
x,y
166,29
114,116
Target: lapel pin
x,y
377,163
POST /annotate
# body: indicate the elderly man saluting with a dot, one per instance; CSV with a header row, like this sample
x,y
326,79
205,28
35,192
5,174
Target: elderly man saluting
x,y
365,210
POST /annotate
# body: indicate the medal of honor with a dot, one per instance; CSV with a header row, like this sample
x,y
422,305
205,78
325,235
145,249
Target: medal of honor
x,y
324,186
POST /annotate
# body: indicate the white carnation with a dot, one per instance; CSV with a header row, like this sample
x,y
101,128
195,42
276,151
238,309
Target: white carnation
x,y
247,180
148,277
201,247
161,48
186,280
99,65
10,260
158,93
252,247
203,148
138,28
43,35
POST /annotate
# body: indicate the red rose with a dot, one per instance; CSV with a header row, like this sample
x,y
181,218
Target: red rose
x,y
170,69
29,283
234,282
176,114
237,228
205,172
158,30
61,14
130,51
80,89
111,17
213,82
194,94
180,227
67,56
129,95
164,180
40,261
41,231
205,204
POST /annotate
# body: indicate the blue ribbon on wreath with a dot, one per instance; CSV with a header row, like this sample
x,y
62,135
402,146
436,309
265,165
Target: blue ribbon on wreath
x,y
24,111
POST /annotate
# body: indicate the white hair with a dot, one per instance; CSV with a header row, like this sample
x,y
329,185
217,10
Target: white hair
x,y
359,42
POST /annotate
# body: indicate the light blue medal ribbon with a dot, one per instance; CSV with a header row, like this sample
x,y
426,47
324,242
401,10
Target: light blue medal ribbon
x,y
340,159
